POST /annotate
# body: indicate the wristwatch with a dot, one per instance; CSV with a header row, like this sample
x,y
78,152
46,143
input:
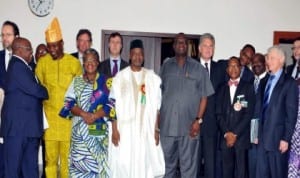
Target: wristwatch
x,y
199,120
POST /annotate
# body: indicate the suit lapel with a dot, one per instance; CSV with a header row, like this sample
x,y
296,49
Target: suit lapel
x,y
238,91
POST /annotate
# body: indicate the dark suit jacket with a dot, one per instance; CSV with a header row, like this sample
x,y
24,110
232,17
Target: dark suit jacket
x,y
229,119
2,68
281,114
75,54
22,109
209,126
247,75
289,69
104,67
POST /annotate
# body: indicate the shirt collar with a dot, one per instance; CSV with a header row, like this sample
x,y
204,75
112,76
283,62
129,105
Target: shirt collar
x,y
261,75
117,58
277,74
203,62
238,79
23,60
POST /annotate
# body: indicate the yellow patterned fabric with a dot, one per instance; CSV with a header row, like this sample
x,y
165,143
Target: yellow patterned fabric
x,y
56,76
56,150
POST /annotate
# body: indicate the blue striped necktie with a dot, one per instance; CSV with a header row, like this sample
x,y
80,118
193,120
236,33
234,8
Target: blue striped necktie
x,y
267,94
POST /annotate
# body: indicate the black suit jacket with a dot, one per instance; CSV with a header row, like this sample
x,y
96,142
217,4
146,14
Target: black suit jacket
x,y
104,67
247,75
209,126
234,121
75,54
281,114
22,112
289,69
2,68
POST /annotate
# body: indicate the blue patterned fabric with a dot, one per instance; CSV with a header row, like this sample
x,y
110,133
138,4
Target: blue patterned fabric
x,y
294,160
88,152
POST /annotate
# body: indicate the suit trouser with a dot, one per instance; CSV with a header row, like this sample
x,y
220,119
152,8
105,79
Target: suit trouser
x,y
234,163
1,161
57,150
209,147
21,157
184,149
271,164
252,160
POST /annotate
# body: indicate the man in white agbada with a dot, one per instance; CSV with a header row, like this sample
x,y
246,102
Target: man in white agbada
x,y
135,151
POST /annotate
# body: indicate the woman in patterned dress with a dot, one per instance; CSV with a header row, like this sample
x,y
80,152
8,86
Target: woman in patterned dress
x,y
86,102
294,160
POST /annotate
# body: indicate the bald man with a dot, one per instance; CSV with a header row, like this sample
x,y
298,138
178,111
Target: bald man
x,y
22,117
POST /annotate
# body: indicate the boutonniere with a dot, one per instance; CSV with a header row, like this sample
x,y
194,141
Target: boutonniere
x,y
143,91
240,103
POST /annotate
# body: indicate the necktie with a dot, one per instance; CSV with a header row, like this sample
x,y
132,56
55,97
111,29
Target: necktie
x,y
267,95
206,67
297,73
115,68
256,83
233,83
10,55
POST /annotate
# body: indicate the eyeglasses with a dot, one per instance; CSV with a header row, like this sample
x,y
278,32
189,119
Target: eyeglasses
x,y
295,47
27,48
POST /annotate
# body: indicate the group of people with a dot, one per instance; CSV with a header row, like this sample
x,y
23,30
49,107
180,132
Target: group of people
x,y
236,117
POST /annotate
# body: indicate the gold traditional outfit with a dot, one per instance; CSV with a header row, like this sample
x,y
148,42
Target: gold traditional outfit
x,y
56,76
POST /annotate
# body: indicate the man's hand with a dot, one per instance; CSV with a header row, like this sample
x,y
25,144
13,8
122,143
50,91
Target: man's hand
x,y
283,146
230,138
195,129
156,137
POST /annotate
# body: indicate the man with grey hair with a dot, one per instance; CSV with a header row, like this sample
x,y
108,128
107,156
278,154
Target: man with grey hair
x,y
209,129
278,113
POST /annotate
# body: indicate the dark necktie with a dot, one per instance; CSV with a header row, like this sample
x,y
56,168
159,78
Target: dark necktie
x,y
115,67
267,95
297,73
206,67
256,83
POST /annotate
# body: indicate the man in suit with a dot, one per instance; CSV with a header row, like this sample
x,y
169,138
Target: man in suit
x,y
209,127
246,55
234,112
83,42
278,114
293,69
9,32
22,123
114,63
260,74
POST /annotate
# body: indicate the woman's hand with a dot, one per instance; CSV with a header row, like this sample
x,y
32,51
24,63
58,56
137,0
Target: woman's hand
x,y
89,118
115,134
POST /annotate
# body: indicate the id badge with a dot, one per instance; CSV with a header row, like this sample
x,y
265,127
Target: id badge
x,y
98,128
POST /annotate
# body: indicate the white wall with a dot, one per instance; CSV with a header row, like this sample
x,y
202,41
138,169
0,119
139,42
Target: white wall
x,y
233,22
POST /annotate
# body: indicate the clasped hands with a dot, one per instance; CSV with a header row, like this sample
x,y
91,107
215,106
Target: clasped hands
x,y
89,118
230,138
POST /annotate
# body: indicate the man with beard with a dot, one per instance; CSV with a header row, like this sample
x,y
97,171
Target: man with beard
x,y
9,32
